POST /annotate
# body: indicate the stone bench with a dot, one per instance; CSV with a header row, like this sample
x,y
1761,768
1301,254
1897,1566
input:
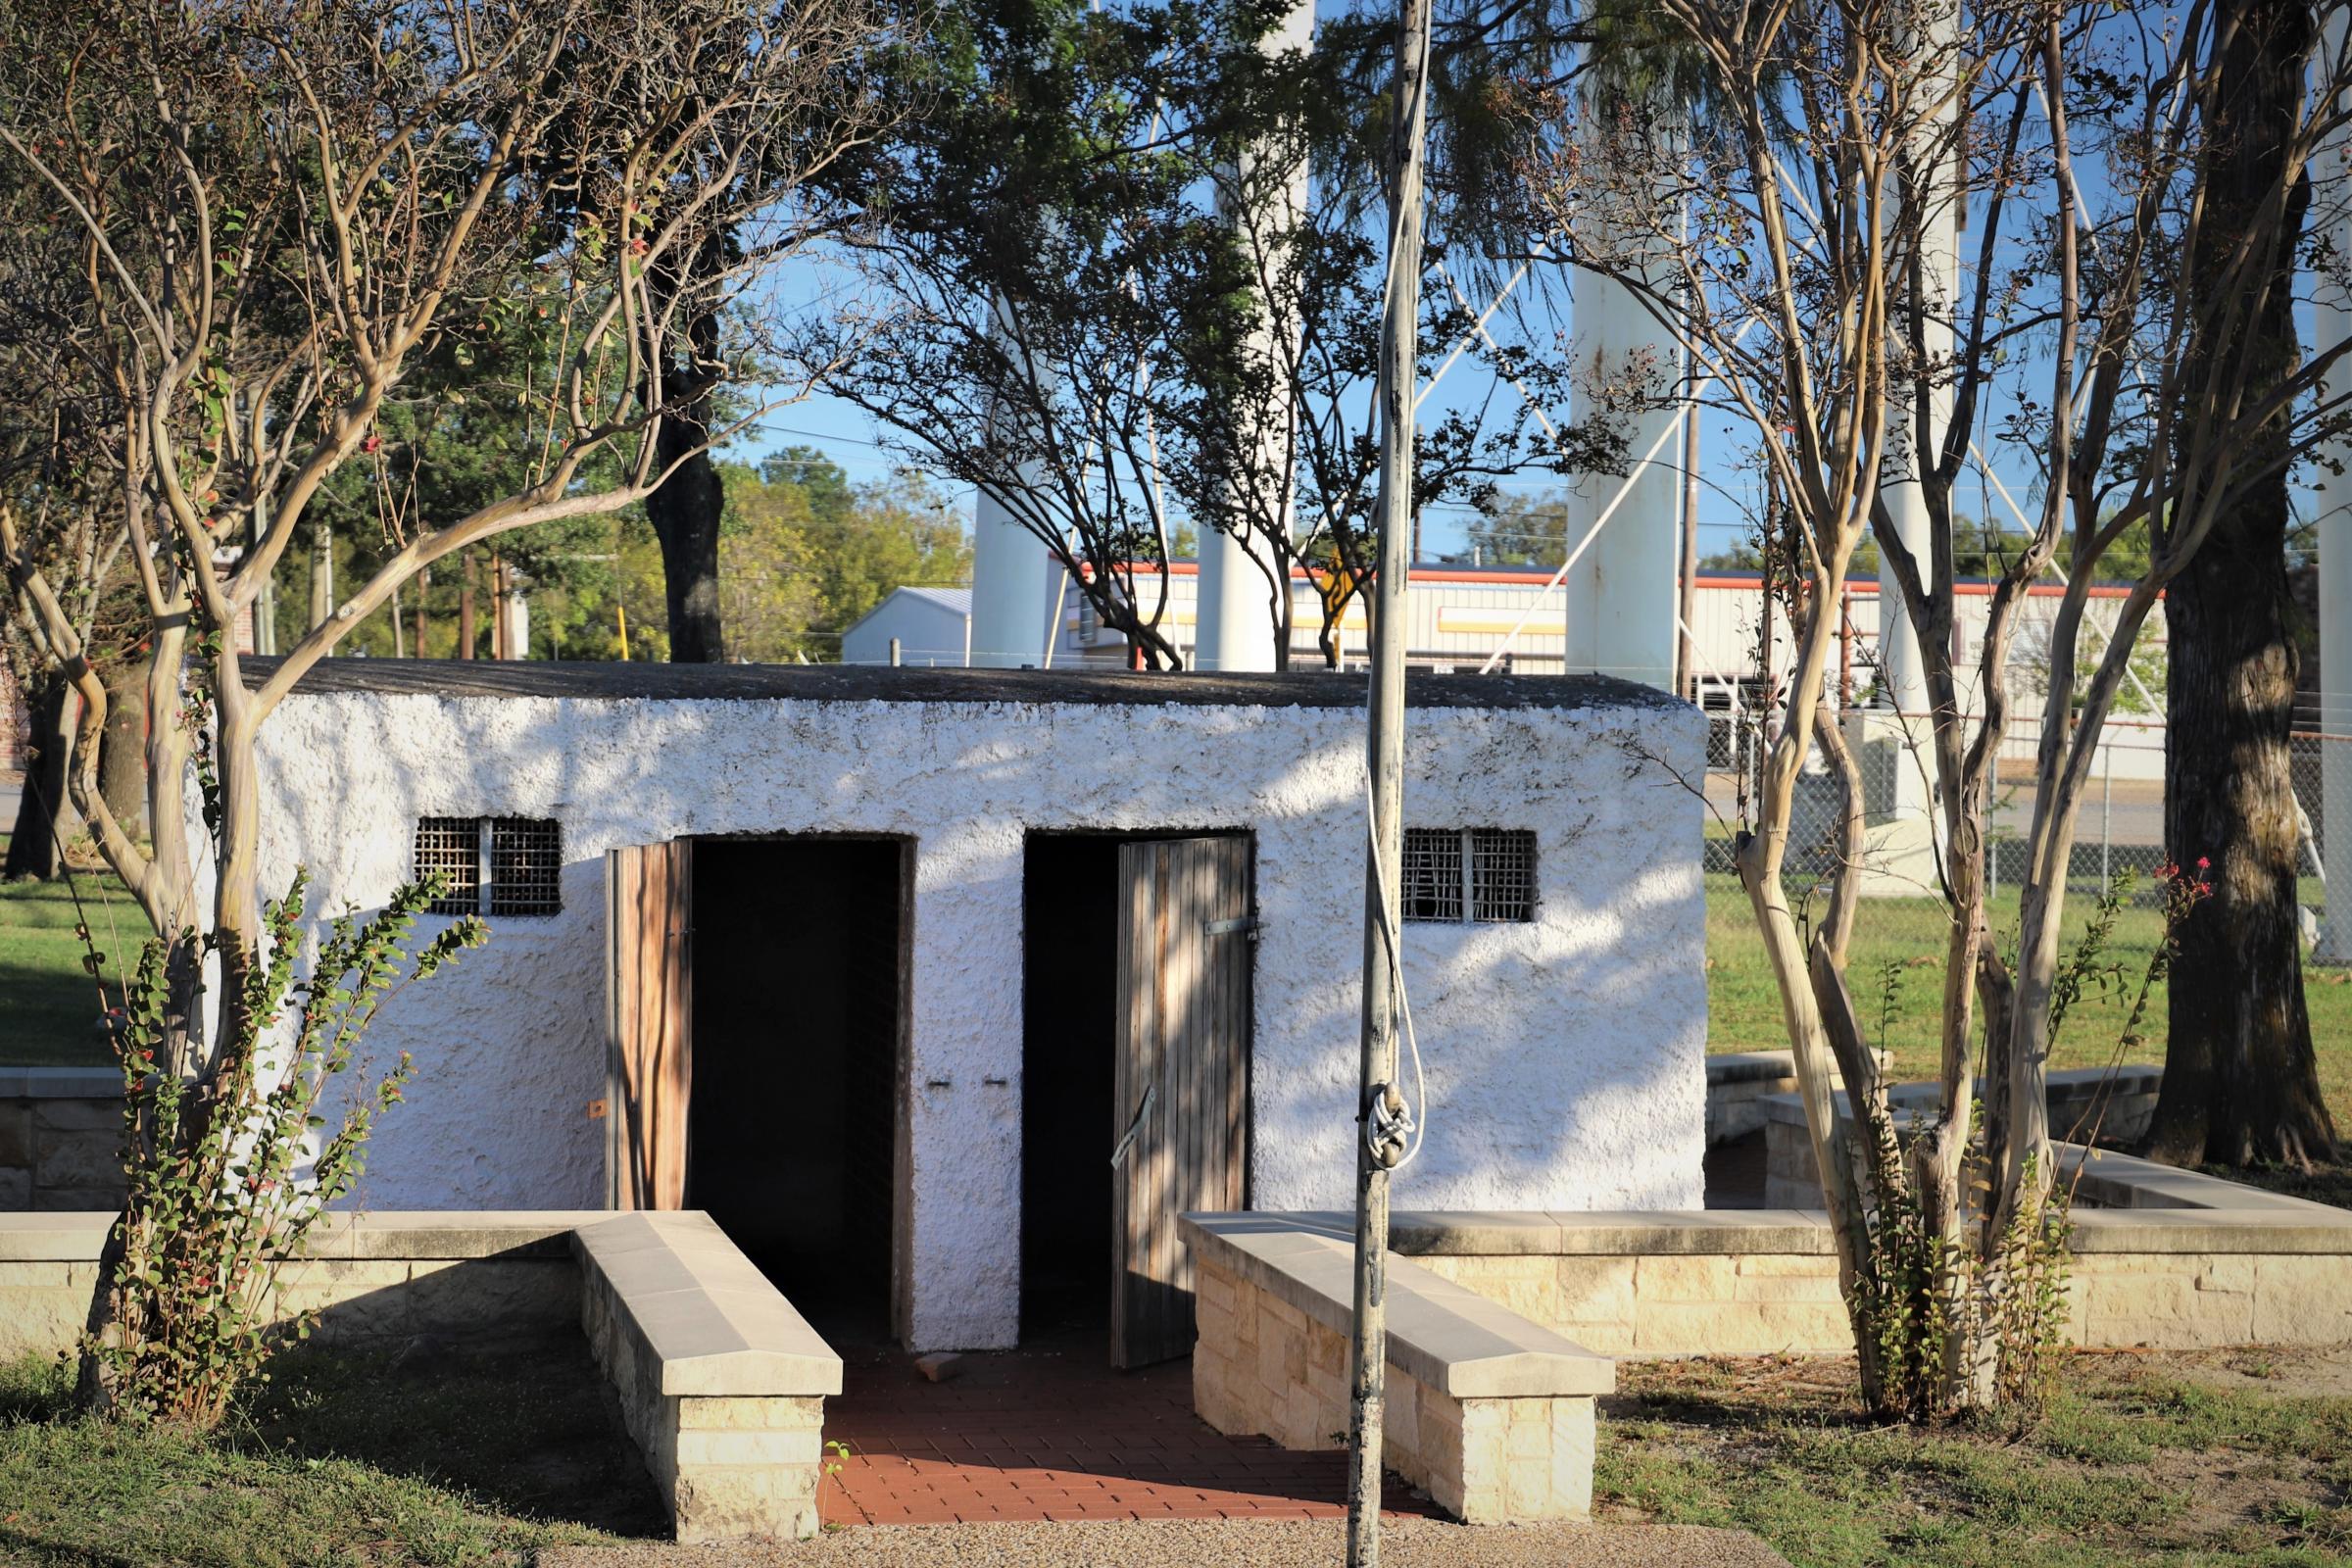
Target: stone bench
x,y
1491,1415
60,1139
722,1384
2119,1101
1740,1082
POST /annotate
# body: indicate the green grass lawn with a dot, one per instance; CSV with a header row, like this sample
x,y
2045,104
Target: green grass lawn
x,y
1898,979
49,1004
345,1460
2211,1459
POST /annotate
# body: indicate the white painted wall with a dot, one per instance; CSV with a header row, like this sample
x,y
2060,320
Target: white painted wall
x,y
1565,1055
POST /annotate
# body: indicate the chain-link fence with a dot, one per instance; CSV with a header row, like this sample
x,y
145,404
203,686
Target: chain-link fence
x,y
2120,825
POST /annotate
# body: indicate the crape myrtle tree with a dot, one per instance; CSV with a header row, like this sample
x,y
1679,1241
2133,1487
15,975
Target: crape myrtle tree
x,y
2103,343
278,211
53,461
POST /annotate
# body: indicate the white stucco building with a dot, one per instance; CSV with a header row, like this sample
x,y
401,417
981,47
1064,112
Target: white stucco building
x,y
885,966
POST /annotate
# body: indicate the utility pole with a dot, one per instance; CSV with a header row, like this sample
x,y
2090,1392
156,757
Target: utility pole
x,y
1686,663
466,609
1382,1126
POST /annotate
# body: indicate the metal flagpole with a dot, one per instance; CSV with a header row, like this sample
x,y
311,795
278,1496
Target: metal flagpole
x,y
1382,1123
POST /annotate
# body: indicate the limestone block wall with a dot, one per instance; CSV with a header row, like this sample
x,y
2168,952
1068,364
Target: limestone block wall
x,y
2241,1267
1664,1304
480,1280
60,1131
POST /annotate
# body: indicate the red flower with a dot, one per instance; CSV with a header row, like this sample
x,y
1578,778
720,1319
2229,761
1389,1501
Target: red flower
x,y
373,443
2203,862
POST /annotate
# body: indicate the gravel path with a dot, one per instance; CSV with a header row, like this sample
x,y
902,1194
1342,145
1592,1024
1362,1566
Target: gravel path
x,y
1404,1543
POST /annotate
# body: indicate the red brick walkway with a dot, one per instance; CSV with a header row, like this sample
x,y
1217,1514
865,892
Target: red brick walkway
x,y
1053,1433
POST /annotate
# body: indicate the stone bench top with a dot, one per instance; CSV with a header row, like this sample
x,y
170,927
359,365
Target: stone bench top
x,y
1749,1066
2126,1181
2284,1225
1441,1333
1603,1233
2069,1087
80,1235
713,1322
61,1082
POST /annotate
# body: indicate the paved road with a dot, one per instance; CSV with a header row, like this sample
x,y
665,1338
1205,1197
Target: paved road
x,y
1318,1544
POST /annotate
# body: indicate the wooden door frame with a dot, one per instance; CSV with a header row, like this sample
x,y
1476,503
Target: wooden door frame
x,y
621,1164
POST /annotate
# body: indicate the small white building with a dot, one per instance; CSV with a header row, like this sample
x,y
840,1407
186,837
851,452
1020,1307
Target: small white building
x,y
932,627
884,967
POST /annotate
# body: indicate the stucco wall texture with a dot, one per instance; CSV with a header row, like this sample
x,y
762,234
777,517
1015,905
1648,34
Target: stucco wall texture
x,y
1564,1056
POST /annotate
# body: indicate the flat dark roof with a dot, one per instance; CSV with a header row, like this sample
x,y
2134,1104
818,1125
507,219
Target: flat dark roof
x,y
868,683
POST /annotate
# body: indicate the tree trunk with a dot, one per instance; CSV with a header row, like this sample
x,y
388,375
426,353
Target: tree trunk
x,y
323,571
123,752
466,609
2241,1082
37,841
685,513
498,607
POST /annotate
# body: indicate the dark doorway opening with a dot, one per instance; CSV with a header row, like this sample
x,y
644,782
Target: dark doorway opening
x,y
1127,1039
1069,1018
799,1004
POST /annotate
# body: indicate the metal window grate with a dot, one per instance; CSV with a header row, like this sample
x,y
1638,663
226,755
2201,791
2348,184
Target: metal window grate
x,y
526,855
1502,873
452,847
1432,874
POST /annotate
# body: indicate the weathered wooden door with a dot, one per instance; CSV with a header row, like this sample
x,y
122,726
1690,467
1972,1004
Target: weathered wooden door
x,y
1183,1076
649,1023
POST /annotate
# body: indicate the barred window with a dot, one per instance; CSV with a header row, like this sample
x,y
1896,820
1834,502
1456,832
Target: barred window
x,y
1502,873
1469,876
1433,874
526,855
523,856
452,847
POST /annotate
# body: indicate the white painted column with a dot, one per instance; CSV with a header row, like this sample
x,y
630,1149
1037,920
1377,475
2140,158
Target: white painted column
x,y
1243,585
1621,597
2331,322
1007,630
519,625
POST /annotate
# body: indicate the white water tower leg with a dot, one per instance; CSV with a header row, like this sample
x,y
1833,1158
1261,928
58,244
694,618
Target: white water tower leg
x,y
1895,738
1621,594
1007,624
1242,583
